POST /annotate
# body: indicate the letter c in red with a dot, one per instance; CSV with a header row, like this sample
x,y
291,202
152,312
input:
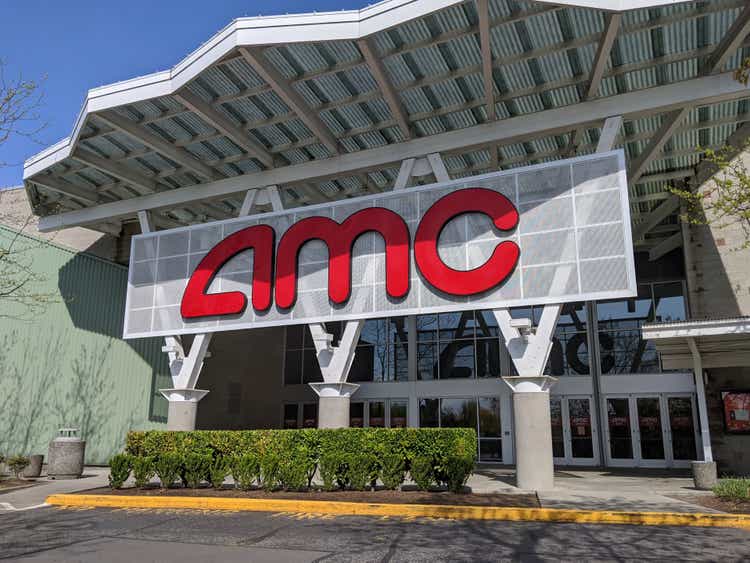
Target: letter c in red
x,y
466,282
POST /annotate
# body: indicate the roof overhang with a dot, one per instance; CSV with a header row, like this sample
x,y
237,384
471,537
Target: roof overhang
x,y
103,190
720,342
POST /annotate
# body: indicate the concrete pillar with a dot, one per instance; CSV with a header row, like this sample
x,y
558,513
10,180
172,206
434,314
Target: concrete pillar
x,y
183,407
333,403
533,431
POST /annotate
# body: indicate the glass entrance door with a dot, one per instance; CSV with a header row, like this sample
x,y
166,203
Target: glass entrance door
x,y
651,430
573,431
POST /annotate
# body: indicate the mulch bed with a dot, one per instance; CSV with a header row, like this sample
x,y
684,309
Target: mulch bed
x,y
379,496
709,501
14,483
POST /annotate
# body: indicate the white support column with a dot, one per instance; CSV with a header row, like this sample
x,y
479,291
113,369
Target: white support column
x,y
183,397
704,472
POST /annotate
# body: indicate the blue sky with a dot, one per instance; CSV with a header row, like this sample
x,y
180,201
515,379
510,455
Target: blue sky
x,y
81,44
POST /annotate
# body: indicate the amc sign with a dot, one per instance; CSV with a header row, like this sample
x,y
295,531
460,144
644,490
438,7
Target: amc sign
x,y
552,233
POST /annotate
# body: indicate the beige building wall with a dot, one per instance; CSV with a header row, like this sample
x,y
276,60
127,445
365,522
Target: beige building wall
x,y
15,212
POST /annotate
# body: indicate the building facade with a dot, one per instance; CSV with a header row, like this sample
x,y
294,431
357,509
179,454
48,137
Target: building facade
x,y
400,94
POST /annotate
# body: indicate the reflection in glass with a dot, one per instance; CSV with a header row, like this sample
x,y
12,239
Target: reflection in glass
x,y
581,440
458,413
310,415
356,415
618,419
556,417
311,368
398,413
290,416
457,359
681,425
489,417
429,413
649,427
377,414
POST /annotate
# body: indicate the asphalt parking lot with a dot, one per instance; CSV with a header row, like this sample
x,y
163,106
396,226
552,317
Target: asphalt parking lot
x,y
53,534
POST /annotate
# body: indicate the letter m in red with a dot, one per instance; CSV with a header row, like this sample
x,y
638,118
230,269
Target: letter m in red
x,y
340,238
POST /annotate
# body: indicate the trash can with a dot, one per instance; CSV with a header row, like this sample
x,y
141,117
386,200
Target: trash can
x,y
65,457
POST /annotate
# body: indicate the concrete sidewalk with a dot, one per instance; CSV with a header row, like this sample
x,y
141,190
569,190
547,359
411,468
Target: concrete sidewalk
x,y
647,490
35,495
584,489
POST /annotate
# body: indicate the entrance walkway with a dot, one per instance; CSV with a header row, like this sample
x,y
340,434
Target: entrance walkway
x,y
602,489
587,489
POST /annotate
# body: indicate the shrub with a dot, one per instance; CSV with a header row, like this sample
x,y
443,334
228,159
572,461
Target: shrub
x,y
245,470
422,472
143,470
196,467
218,471
364,471
167,467
17,464
342,456
119,470
736,490
393,470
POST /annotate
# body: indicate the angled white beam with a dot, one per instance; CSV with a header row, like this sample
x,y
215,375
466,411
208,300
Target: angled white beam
x,y
158,144
610,131
703,172
222,124
729,43
484,44
116,170
727,46
665,246
290,96
700,391
65,188
705,90
377,69
607,41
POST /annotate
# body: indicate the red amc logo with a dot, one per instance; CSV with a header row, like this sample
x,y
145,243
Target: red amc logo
x,y
340,237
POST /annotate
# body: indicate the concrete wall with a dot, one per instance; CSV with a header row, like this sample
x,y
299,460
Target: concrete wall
x,y
245,378
15,212
718,271
731,451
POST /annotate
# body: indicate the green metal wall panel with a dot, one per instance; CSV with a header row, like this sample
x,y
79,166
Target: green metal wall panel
x,y
66,365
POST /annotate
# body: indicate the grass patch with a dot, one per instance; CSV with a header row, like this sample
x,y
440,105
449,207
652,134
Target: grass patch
x,y
733,489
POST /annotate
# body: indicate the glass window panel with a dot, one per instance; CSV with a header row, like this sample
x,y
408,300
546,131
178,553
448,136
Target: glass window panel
x,y
456,325
681,425
293,367
310,415
490,450
398,364
427,328
335,328
489,417
377,414
356,415
294,336
618,420
429,413
485,324
581,440
488,358
649,427
626,313
399,409
364,366
427,367
290,416
457,360
311,369
556,418
458,413
670,302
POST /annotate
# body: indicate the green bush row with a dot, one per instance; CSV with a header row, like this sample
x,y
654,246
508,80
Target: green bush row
x,y
353,458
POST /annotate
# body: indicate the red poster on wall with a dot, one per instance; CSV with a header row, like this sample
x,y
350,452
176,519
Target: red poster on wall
x,y
736,411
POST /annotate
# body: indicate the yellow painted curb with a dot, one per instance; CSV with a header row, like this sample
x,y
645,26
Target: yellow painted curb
x,y
405,510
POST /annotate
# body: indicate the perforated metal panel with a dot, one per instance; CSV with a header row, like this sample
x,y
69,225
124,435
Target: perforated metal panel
x,y
573,234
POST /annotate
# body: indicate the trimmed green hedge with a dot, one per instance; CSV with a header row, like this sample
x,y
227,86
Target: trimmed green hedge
x,y
344,458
